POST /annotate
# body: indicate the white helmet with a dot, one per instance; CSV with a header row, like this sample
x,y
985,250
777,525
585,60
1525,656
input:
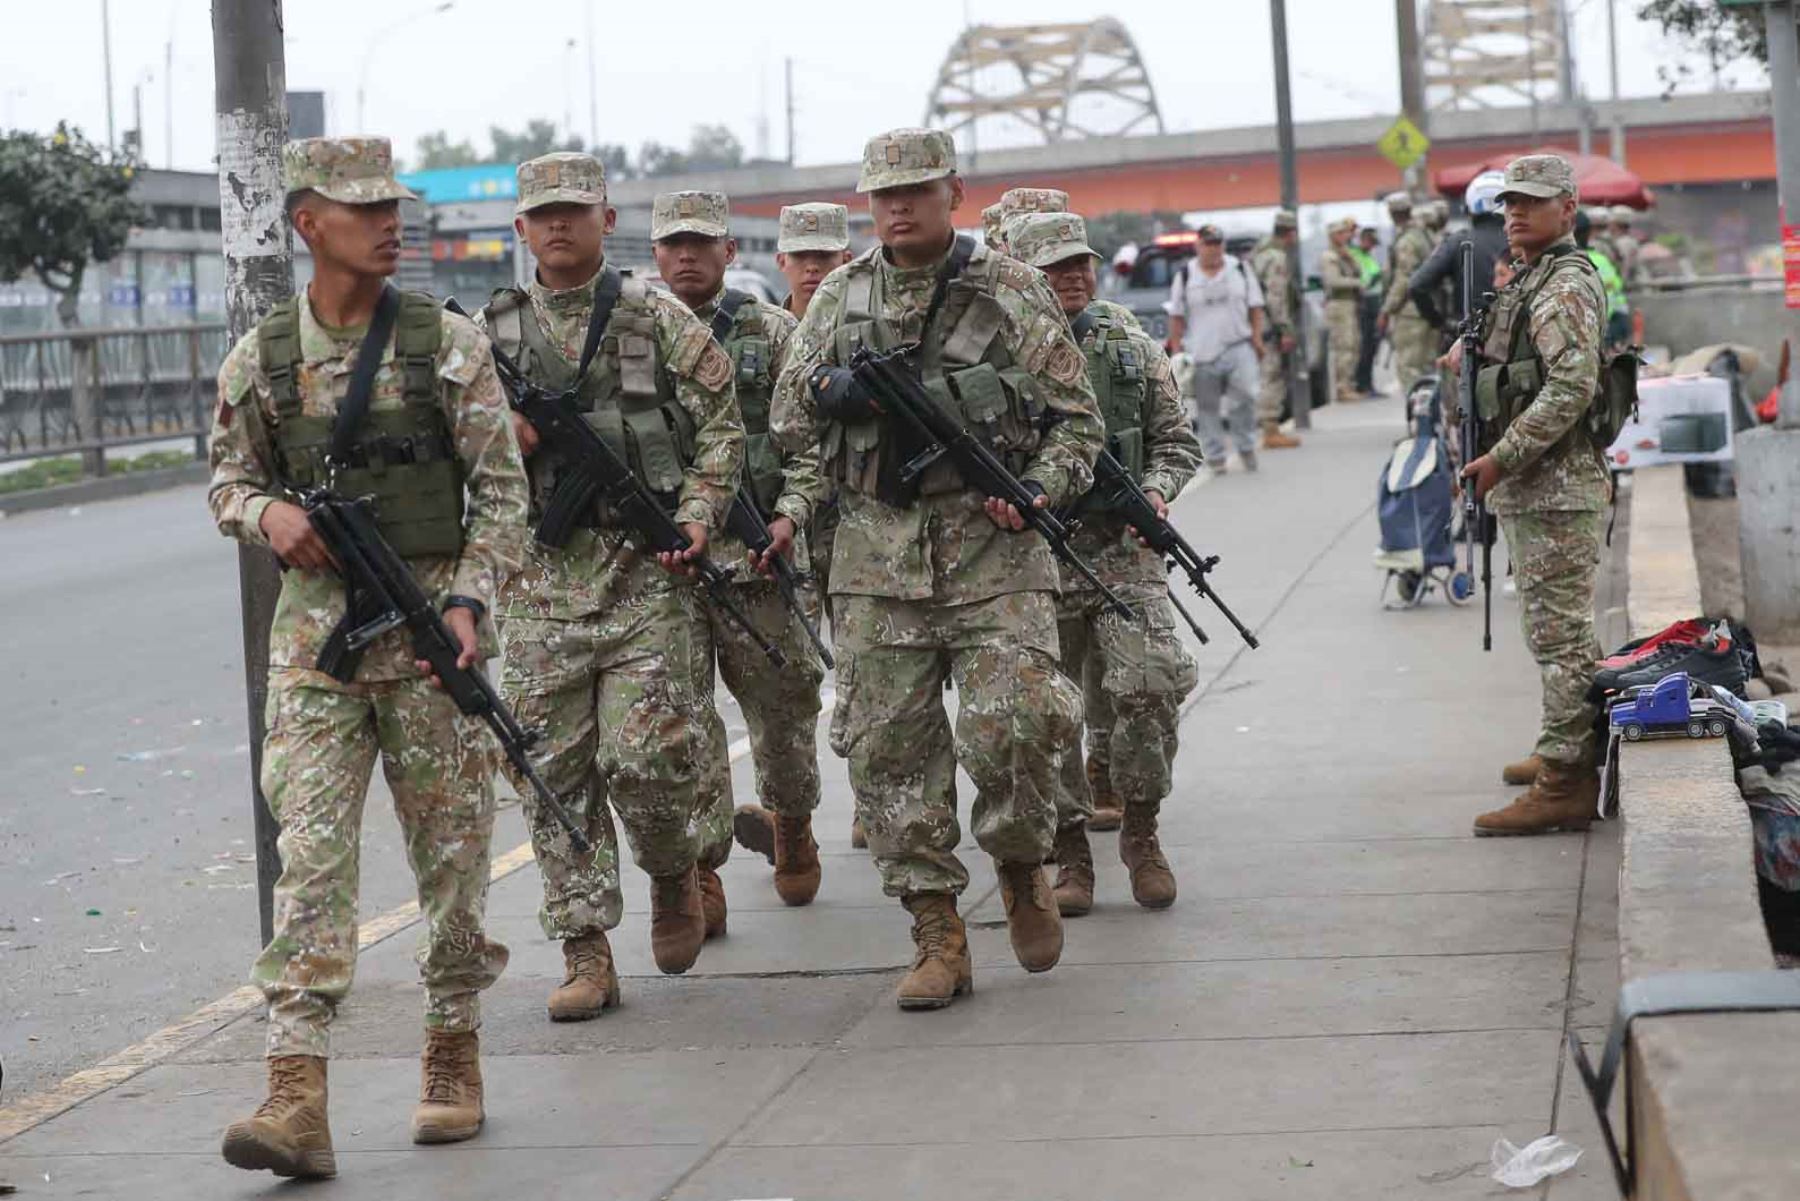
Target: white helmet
x,y
1481,195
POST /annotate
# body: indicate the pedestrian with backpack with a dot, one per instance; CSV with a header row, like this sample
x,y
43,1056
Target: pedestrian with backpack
x,y
1216,314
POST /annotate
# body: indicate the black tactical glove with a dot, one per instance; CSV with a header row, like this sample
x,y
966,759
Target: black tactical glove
x,y
839,396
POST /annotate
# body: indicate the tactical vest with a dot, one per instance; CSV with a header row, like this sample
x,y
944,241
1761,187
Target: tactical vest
x,y
1115,366
962,364
402,458
626,395
753,367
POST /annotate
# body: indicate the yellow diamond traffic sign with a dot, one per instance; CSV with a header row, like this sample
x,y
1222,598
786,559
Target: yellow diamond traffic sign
x,y
1403,144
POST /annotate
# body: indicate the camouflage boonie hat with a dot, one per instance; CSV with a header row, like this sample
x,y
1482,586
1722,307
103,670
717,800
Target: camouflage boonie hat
x,y
347,170
702,213
1043,239
566,177
901,157
1285,220
1538,175
1033,200
813,227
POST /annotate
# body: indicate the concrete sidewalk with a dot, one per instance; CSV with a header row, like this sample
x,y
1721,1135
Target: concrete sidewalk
x,y
1352,999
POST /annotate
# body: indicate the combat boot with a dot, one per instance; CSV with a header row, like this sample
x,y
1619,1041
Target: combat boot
x,y
712,900
787,843
677,921
1274,439
941,970
1523,772
754,828
1109,810
1152,880
1032,920
590,981
1561,798
288,1134
450,1108
1074,889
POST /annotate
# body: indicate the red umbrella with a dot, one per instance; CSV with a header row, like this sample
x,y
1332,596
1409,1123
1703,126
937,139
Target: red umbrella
x,y
1601,180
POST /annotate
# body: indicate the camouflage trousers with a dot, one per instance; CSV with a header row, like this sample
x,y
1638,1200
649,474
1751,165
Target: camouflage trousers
x,y
1555,557
818,545
1015,711
1271,393
620,702
780,707
1415,349
1133,676
323,739
1344,334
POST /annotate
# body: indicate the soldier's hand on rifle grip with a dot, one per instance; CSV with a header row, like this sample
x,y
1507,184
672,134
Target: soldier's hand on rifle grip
x,y
293,539
781,545
462,623
1485,472
1162,511
839,397
525,432
1008,517
1452,360
681,562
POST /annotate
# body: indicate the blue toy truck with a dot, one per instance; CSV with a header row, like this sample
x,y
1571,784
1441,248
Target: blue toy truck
x,y
1672,707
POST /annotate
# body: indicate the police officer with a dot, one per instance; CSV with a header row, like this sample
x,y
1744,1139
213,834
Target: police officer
x,y
1273,264
1133,674
1612,283
454,509
607,651
1415,345
1343,289
1544,479
932,580
1364,248
691,239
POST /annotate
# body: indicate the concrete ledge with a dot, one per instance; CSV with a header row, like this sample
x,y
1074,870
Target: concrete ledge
x,y
1665,587
107,487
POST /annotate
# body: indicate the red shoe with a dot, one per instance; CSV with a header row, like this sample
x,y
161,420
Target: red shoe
x,y
1682,633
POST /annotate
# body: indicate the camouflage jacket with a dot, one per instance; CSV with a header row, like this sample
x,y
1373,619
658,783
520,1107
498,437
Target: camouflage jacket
x,y
944,548
1548,462
1120,314
1270,262
1412,246
596,566
244,484
1339,271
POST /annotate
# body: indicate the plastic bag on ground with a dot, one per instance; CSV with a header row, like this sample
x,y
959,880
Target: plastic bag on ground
x,y
1522,1167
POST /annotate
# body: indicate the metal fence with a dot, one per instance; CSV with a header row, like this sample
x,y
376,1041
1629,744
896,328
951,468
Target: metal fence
x,y
88,390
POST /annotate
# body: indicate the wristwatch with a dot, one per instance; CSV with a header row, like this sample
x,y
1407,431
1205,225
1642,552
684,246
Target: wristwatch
x,y
466,602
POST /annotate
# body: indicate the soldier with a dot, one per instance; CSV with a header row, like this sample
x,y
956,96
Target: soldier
x,y
1015,202
1415,342
814,241
1343,287
1601,239
606,649
1133,674
455,510
690,237
1281,308
1544,479
931,579
1626,242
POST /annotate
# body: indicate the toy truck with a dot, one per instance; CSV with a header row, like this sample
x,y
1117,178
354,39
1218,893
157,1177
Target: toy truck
x,y
1670,708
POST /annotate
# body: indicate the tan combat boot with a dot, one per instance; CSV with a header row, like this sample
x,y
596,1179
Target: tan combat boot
x,y
1523,772
754,828
1032,920
941,970
712,900
449,1108
677,921
1152,880
1274,439
787,843
1109,810
288,1134
1561,798
1074,889
590,981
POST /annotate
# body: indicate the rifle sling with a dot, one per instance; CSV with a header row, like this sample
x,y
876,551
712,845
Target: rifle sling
x,y
1082,326
355,407
726,313
606,295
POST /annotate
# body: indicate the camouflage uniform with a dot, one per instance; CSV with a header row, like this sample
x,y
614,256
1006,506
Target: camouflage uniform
x,y
1017,202
323,735
1551,496
1415,342
780,706
1343,291
933,589
1133,674
606,653
1281,306
1630,251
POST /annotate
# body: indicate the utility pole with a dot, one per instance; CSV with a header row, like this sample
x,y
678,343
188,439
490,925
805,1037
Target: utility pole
x,y
790,110
1784,80
1617,124
112,141
1299,387
593,82
250,99
169,104
1412,84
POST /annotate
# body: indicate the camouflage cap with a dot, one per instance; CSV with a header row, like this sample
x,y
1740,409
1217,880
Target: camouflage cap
x,y
566,177
813,227
1399,202
901,157
1343,225
993,217
1043,239
347,170
1033,200
1538,175
1285,220
703,213
1621,214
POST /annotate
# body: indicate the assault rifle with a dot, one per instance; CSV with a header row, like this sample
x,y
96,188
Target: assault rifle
x,y
894,383
1477,522
746,523
1114,485
381,595
596,473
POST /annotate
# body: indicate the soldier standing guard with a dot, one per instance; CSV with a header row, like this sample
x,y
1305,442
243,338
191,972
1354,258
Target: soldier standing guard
x,y
931,580
1281,309
1415,343
453,506
606,650
1343,290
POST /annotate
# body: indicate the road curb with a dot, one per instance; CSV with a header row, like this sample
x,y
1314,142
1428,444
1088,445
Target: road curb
x,y
107,487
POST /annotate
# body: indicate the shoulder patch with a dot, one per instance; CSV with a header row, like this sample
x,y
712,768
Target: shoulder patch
x,y
713,371
460,356
1064,364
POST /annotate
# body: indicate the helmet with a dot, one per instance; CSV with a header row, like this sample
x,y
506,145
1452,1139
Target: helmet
x,y
1479,196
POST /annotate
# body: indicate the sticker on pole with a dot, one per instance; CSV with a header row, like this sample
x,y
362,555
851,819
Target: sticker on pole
x,y
1790,262
1403,144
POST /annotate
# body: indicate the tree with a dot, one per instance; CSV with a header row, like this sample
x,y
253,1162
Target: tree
x,y
64,203
656,159
714,148
437,151
538,137
1722,35
616,159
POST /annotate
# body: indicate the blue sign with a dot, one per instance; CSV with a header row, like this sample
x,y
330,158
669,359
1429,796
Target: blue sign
x,y
122,296
488,181
181,296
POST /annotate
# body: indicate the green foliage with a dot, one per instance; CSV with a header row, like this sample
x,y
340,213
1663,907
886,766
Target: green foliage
x,y
64,203
1110,231
1721,35
47,473
537,138
437,151
710,148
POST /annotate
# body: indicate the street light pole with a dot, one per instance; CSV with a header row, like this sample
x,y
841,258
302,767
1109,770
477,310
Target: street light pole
x,y
112,142
1299,387
1617,124
1412,83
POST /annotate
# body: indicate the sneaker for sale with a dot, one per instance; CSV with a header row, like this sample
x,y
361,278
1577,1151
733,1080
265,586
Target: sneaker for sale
x,y
1684,633
1716,659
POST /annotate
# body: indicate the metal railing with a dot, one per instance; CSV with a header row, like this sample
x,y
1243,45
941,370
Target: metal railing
x,y
87,390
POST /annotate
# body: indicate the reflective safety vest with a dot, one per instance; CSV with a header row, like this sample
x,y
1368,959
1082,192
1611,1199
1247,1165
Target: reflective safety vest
x,y
753,367
626,395
1611,280
1116,369
1367,265
403,457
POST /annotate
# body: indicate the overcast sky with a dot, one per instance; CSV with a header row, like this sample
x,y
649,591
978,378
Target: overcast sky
x,y
662,68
